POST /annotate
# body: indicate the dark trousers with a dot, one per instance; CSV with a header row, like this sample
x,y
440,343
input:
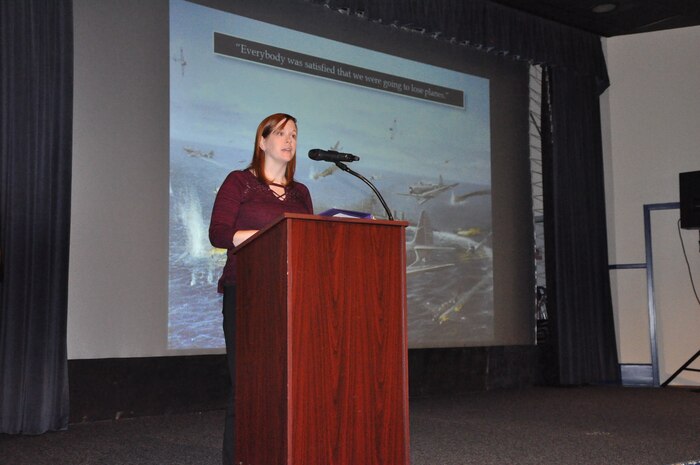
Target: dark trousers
x,y
229,335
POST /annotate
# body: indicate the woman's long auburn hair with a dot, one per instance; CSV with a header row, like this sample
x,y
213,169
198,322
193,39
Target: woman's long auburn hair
x,y
257,164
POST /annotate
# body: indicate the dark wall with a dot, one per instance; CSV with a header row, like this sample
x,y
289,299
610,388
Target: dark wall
x,y
114,388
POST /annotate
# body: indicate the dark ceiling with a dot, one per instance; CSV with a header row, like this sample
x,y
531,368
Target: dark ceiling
x,y
628,16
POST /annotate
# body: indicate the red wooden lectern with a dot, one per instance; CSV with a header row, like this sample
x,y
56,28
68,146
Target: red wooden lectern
x,y
321,349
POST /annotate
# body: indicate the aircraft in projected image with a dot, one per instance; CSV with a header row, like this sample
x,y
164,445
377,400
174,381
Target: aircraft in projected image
x,y
424,191
469,248
469,232
425,239
446,311
422,246
195,153
392,130
331,169
421,261
181,60
459,199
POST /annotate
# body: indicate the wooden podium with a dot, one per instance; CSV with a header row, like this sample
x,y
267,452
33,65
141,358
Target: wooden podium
x,y
321,346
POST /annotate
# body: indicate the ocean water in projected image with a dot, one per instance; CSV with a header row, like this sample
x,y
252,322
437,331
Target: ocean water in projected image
x,y
450,268
448,243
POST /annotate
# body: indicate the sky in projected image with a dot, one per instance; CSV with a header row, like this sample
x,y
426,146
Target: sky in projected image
x,y
430,160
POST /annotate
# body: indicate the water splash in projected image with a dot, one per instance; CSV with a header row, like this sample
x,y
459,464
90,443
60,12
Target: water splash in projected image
x,y
197,248
195,307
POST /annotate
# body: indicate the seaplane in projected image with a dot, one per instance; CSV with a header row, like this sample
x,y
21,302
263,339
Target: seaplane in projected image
x,y
424,191
195,153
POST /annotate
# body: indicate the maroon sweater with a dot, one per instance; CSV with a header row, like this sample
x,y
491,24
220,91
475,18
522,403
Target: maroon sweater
x,y
243,202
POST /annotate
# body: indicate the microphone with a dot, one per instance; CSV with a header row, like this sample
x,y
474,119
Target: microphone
x,y
331,155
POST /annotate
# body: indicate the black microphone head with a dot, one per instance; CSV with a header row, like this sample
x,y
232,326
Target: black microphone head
x,y
331,155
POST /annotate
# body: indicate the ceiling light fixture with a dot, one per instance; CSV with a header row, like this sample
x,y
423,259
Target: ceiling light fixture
x,y
604,8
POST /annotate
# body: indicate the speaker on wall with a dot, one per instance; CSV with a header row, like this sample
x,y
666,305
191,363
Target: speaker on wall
x,y
689,184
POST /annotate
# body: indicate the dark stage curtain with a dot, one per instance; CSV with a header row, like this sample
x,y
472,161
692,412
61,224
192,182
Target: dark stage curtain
x,y
489,27
575,230
578,280
36,100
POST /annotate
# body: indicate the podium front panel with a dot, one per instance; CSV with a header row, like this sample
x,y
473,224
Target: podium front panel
x,y
327,349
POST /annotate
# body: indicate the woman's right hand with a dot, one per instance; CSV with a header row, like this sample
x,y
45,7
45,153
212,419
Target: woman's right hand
x,y
242,235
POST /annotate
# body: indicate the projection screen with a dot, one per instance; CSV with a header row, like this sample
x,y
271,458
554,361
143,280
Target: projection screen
x,y
440,130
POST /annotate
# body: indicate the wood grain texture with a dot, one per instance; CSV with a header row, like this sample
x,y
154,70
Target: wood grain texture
x,y
261,351
341,364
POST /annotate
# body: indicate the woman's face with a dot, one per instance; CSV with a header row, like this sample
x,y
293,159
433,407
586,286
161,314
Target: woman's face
x,y
280,145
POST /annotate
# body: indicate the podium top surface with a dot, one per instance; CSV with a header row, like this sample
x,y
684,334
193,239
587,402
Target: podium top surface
x,y
324,219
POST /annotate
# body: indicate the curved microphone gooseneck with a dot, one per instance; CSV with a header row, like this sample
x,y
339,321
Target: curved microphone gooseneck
x,y
345,168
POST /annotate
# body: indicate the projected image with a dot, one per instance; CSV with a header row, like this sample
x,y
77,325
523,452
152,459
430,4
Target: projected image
x,y
422,134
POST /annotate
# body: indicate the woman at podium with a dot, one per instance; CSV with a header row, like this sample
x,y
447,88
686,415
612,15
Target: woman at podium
x,y
247,201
